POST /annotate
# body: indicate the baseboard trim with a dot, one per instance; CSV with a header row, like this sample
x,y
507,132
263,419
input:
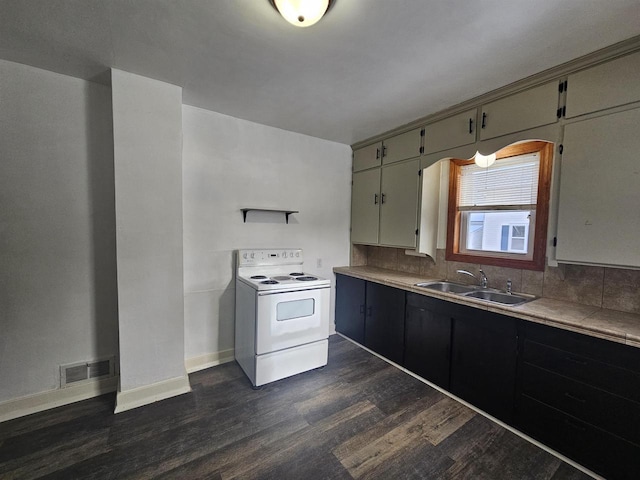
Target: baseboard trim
x,y
138,397
55,398
209,360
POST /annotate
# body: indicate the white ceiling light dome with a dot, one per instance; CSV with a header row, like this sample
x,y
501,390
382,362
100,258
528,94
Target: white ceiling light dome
x,y
485,161
302,13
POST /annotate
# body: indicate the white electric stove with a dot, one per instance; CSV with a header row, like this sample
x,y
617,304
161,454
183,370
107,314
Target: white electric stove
x,y
282,315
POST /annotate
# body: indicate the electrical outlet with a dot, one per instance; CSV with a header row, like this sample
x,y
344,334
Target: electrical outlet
x,y
319,263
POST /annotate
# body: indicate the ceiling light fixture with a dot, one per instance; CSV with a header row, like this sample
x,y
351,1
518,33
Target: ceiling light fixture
x,y
485,160
302,13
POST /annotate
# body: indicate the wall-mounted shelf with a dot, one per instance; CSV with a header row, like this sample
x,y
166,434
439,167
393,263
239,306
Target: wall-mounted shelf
x,y
286,212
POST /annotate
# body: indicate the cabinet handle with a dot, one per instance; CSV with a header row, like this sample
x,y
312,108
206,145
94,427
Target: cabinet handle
x,y
361,309
377,153
369,311
573,397
574,425
375,198
382,195
484,119
384,151
575,360
470,125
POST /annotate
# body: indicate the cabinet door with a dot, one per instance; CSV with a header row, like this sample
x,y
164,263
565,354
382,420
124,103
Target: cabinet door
x,y
604,86
384,324
428,338
598,217
401,147
365,207
483,361
521,111
399,204
367,157
451,132
350,307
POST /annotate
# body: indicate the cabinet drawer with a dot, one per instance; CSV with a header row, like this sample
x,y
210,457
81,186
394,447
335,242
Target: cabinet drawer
x,y
612,413
606,454
598,349
607,377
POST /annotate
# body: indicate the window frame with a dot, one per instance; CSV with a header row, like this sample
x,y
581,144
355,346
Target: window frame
x,y
541,217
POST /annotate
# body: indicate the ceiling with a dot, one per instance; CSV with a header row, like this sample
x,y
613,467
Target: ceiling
x,y
367,67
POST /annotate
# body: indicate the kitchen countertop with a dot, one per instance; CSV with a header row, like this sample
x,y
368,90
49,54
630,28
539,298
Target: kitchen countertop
x,y
598,322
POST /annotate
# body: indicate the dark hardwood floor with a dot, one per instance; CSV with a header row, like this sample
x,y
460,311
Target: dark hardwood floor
x,y
357,418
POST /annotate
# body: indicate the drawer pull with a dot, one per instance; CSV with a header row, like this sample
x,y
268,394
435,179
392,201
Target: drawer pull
x,y
573,397
574,425
575,360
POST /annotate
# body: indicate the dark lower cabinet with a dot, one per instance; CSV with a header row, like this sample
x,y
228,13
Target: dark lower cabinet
x,y
427,338
578,394
581,396
384,321
484,360
350,307
371,314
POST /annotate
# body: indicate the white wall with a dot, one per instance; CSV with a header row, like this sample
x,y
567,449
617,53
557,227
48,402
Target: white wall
x,y
229,164
147,137
58,300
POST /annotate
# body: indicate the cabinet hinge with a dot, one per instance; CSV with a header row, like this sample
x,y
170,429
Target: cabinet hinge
x,y
417,231
421,150
555,241
561,149
422,132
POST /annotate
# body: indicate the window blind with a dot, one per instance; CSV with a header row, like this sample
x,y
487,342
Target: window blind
x,y
509,182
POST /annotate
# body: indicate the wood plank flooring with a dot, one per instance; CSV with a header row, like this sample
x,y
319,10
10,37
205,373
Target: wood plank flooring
x,y
358,417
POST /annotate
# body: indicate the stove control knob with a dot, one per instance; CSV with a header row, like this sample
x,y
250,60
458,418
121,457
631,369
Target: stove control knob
x,y
244,255
284,254
252,255
297,254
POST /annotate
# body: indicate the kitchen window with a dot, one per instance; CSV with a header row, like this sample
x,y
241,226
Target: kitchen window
x,y
498,215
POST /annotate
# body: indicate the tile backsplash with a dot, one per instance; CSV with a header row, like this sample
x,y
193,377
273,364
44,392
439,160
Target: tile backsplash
x,y
612,288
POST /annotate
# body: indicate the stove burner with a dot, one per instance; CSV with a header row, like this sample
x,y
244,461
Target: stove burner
x,y
258,277
269,282
281,278
306,278
296,274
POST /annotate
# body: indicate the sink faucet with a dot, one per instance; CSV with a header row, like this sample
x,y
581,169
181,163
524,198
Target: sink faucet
x,y
484,282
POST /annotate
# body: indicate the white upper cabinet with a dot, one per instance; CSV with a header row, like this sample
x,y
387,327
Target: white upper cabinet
x,y
401,147
599,204
607,85
367,157
384,205
430,210
451,132
365,207
521,111
399,204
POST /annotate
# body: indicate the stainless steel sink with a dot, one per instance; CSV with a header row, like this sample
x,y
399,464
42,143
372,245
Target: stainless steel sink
x,y
499,297
472,291
449,287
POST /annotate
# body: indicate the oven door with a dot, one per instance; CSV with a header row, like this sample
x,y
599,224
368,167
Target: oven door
x,y
288,319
